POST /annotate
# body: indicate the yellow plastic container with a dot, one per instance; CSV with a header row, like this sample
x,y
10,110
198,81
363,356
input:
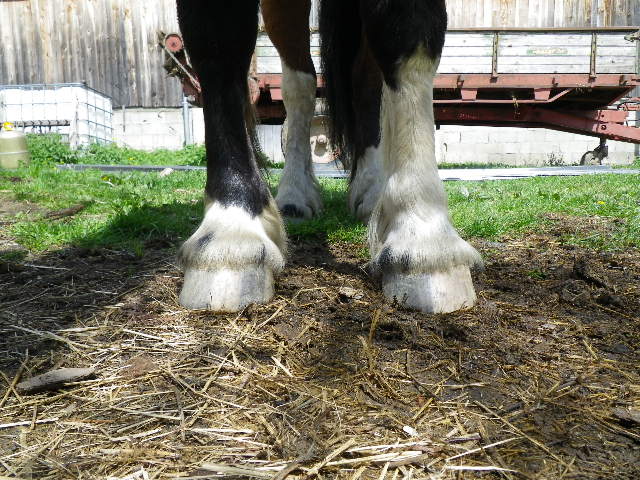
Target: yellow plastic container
x,y
13,148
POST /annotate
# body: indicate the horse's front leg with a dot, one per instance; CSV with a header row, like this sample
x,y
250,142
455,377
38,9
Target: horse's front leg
x,y
423,261
232,258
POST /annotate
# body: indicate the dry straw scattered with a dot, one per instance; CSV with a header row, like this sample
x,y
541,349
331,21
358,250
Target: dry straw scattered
x,y
326,382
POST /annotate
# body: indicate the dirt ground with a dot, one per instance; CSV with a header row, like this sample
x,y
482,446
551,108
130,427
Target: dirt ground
x,y
540,380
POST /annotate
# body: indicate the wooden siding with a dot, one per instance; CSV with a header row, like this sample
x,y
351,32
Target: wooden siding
x,y
112,44
534,13
518,52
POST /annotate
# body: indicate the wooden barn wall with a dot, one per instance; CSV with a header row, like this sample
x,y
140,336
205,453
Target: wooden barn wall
x,y
112,44
543,13
535,13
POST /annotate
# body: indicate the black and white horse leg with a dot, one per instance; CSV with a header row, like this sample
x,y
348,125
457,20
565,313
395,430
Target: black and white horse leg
x,y
366,175
424,262
231,259
287,23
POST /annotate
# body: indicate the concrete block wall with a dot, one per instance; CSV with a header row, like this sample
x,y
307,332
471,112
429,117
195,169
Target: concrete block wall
x,y
153,128
148,129
522,146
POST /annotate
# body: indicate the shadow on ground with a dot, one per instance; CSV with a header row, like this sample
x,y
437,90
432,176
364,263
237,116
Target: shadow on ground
x,y
328,375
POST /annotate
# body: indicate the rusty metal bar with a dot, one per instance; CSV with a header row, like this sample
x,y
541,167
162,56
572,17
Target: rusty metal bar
x,y
594,55
533,116
537,80
467,96
494,58
631,28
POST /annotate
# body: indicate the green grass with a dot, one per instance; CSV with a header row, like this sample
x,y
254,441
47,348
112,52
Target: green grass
x,y
122,211
494,209
127,211
52,149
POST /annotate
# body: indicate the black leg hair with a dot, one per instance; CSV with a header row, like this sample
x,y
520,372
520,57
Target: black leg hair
x,y
232,258
395,30
220,37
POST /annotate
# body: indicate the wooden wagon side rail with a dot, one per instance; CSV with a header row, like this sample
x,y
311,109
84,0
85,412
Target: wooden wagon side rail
x,y
562,79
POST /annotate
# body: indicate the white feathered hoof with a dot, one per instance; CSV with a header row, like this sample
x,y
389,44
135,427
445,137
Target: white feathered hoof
x,y
226,290
232,258
299,202
437,292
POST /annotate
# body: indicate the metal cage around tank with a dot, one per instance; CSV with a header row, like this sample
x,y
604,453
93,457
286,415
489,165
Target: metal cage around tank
x,y
79,113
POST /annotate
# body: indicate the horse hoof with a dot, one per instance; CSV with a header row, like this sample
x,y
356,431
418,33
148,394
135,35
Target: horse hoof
x,y
226,290
292,213
437,292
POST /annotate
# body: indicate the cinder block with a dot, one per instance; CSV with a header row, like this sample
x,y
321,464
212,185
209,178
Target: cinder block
x,y
620,158
622,147
474,137
450,137
523,148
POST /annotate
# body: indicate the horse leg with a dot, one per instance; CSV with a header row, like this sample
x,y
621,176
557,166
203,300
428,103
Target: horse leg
x,y
287,23
366,171
423,261
231,259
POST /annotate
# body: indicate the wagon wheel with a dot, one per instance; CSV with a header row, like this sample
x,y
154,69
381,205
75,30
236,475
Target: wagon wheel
x,y
321,151
590,158
595,156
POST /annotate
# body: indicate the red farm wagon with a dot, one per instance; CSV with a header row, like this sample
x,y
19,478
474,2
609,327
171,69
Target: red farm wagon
x,y
573,80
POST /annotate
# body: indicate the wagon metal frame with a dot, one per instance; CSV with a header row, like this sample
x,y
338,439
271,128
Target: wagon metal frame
x,y
585,103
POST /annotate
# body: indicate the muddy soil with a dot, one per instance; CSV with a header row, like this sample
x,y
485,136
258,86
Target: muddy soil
x,y
546,361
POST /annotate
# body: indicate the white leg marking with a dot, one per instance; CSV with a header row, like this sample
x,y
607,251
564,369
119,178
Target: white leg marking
x,y
365,188
298,192
424,262
232,258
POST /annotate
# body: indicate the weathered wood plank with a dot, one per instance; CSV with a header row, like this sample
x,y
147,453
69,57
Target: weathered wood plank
x,y
544,39
461,39
555,50
522,52
469,51
614,40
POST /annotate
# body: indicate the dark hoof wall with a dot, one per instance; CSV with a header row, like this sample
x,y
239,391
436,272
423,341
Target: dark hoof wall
x,y
292,212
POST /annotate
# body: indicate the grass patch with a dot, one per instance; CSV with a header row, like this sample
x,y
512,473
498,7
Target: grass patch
x,y
129,210
336,222
13,255
122,211
51,149
495,209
